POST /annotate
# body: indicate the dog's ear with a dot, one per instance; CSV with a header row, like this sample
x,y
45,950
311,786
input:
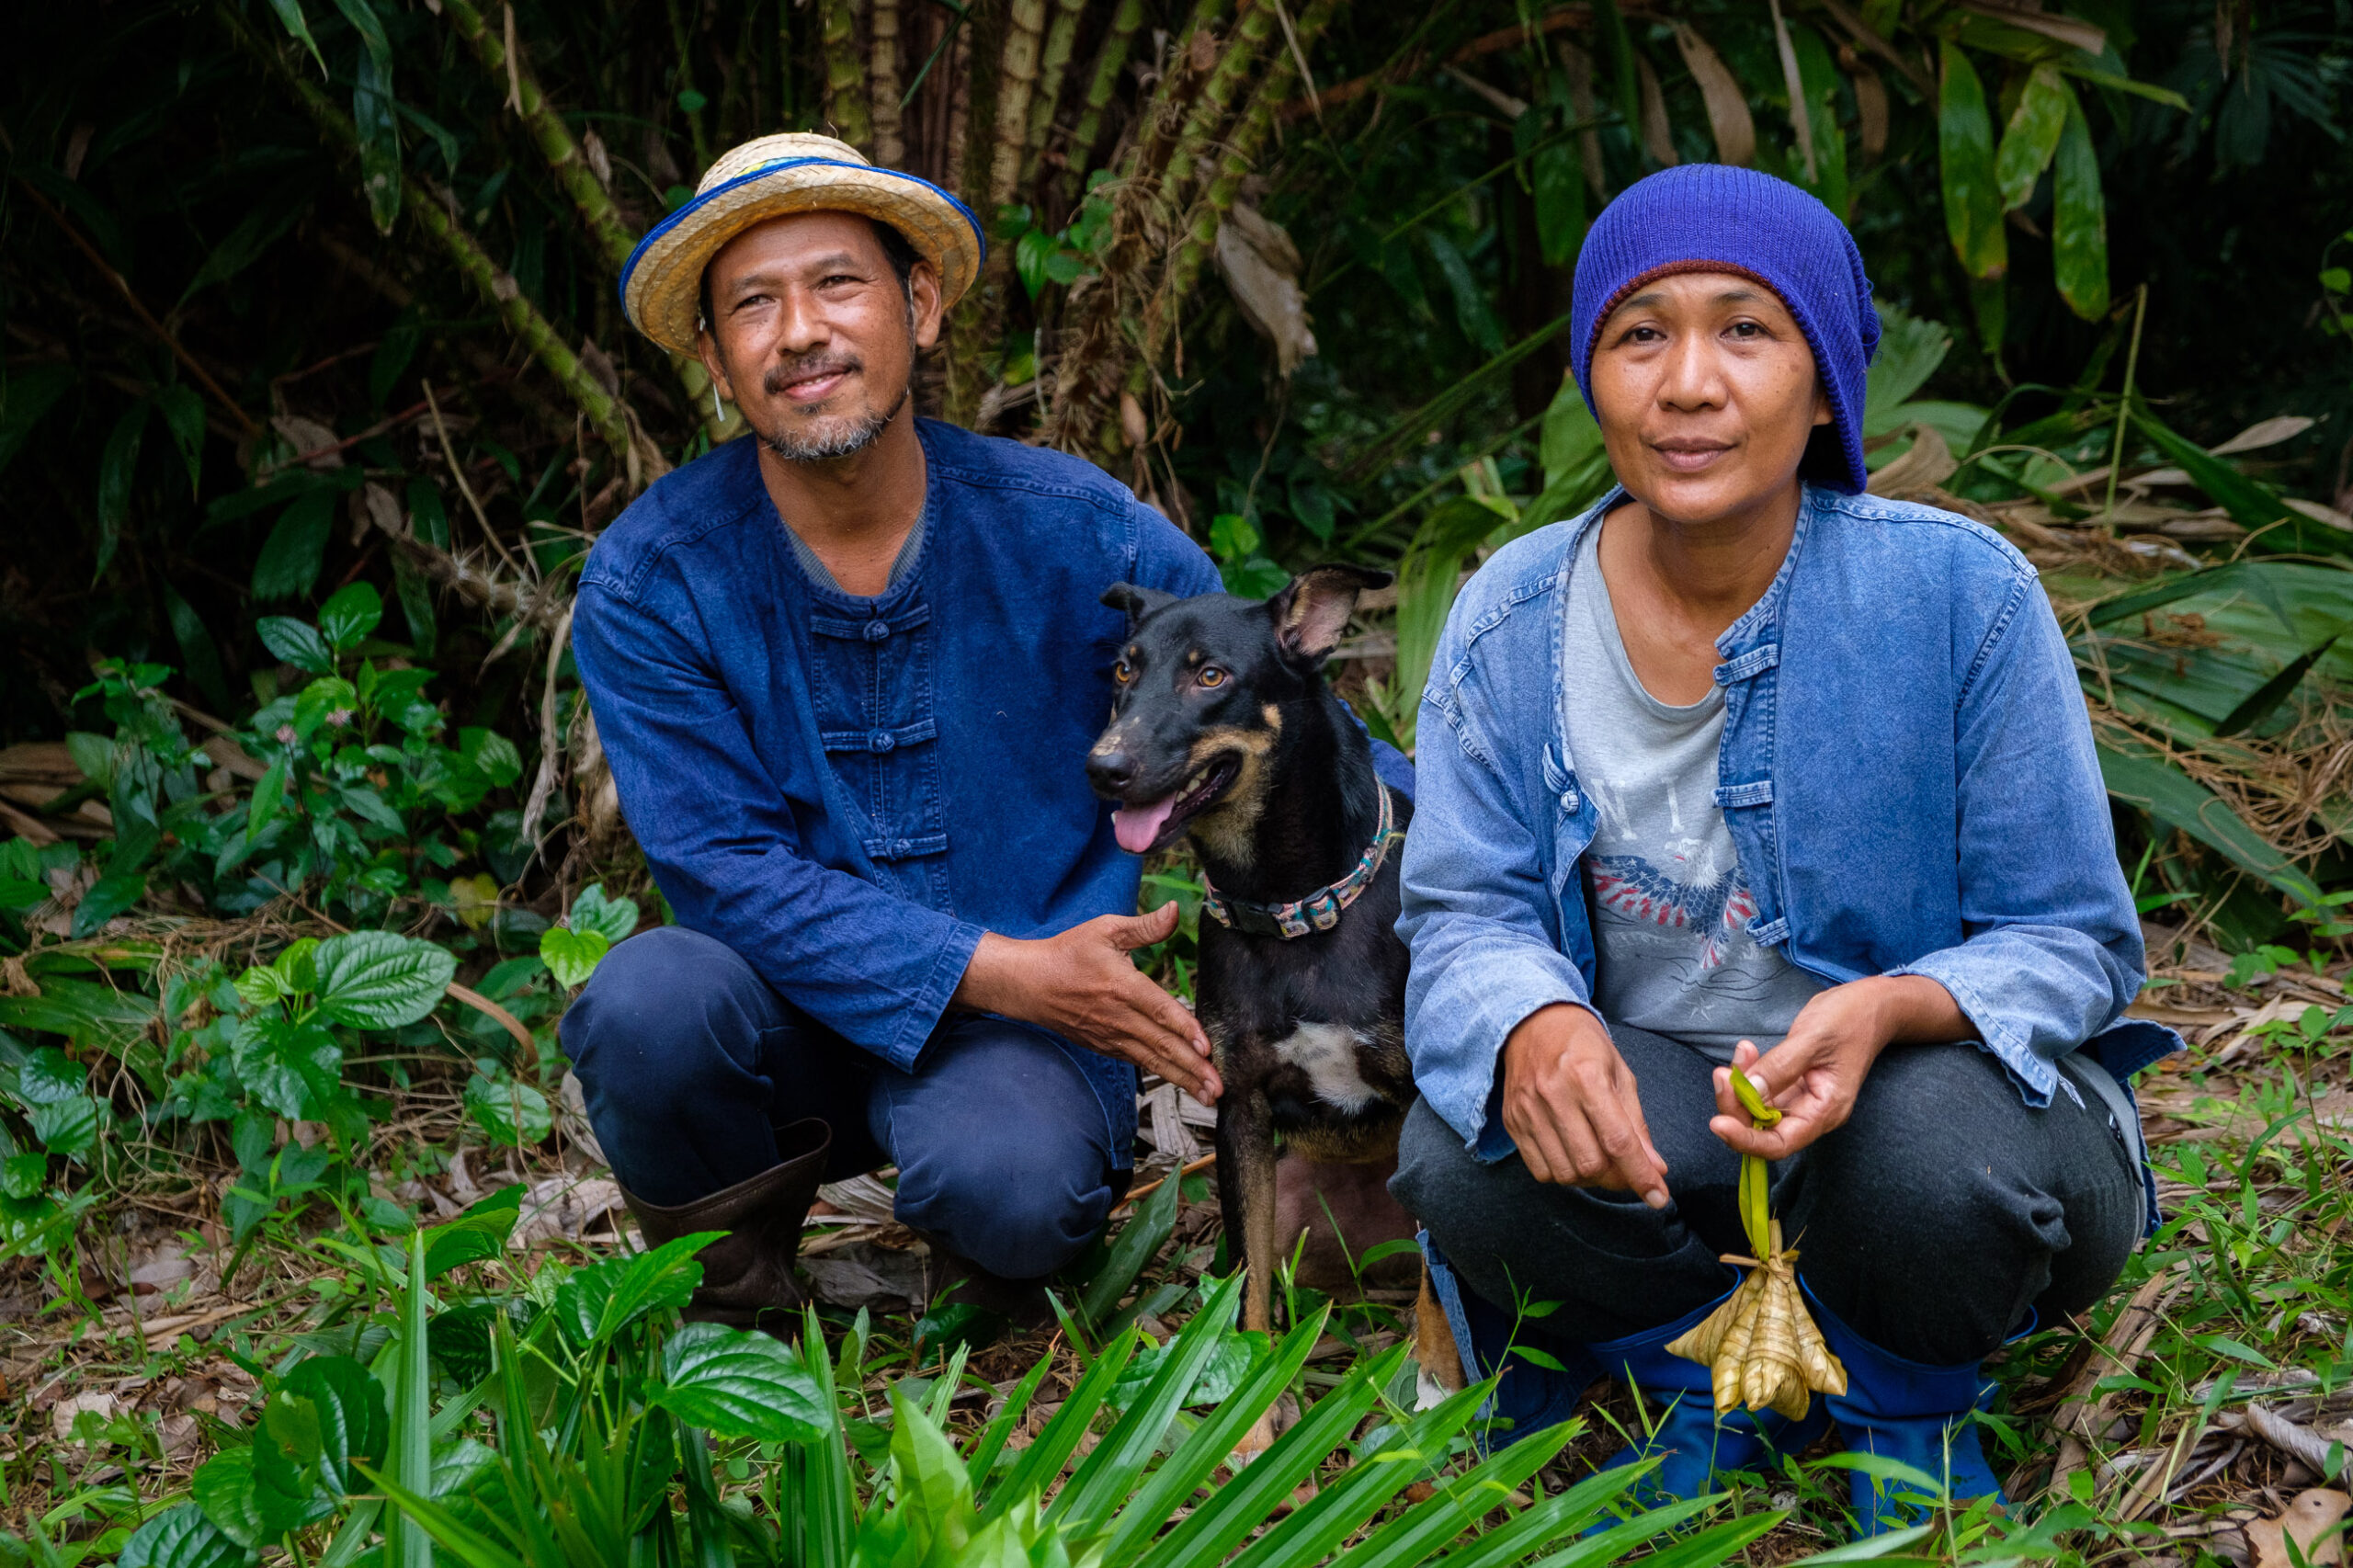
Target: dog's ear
x,y
1137,600
1313,609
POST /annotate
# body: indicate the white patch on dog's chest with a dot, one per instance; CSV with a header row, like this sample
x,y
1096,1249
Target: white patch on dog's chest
x,y
1327,1054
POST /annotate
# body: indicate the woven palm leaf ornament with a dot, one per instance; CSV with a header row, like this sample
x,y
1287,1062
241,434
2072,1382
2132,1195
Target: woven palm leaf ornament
x,y
1761,1347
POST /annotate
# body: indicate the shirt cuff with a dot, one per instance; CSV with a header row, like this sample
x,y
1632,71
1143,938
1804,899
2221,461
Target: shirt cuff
x,y
920,1019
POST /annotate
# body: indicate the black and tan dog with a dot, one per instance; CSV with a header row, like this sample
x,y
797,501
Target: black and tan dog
x,y
1222,729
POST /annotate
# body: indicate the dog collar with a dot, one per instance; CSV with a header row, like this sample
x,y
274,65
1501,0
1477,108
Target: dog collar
x,y
1319,911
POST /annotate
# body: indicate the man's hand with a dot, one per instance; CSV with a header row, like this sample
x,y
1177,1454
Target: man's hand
x,y
1813,1075
1081,984
1569,1103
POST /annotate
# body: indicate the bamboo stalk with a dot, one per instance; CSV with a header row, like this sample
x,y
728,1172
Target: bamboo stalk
x,y
602,218
1250,134
882,84
1053,64
1017,84
845,104
1253,28
605,413
1110,60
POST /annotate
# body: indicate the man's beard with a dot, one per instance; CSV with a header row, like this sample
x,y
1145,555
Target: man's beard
x,y
837,438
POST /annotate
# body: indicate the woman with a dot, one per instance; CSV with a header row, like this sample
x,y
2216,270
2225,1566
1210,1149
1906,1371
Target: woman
x,y
1745,766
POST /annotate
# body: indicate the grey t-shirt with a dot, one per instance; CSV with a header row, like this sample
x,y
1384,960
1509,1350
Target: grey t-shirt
x,y
1669,902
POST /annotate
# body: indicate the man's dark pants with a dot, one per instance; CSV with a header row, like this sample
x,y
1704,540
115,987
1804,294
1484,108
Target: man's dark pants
x,y
1930,1222
690,1061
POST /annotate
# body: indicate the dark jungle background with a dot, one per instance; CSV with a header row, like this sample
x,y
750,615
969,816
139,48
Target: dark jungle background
x,y
316,393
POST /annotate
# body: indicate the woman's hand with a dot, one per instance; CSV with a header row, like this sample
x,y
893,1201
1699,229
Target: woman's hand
x,y
1813,1075
1569,1103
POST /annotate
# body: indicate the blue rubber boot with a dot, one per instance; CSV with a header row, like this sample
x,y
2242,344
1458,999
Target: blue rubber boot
x,y
1918,1414
1532,1394
1689,1442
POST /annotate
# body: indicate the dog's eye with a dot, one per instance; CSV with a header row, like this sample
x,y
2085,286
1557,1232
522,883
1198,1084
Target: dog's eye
x,y
1210,678
1123,672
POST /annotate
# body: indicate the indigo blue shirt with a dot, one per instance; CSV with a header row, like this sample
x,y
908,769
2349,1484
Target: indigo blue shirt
x,y
1907,769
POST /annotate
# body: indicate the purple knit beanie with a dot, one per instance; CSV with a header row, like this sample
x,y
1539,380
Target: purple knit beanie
x,y
1717,217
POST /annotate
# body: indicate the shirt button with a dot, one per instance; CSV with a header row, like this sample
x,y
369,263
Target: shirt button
x,y
880,741
903,848
1569,800
878,630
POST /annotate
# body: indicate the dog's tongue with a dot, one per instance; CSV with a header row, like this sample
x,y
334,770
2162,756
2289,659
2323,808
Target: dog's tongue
x,y
1137,827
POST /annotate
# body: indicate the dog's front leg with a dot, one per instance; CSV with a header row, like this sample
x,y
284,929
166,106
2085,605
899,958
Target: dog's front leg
x,y
1245,1181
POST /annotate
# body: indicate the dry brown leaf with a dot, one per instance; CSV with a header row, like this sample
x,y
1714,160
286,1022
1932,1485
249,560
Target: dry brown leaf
x,y
1658,137
1870,109
2265,433
1728,116
2311,1519
1928,464
1261,270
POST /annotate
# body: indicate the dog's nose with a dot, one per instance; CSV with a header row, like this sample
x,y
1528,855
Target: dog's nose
x,y
1110,771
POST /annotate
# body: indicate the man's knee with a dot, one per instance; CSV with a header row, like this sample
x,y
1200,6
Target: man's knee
x,y
1021,1204
669,1015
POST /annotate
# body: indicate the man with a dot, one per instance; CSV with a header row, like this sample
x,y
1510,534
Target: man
x,y
848,674
1744,756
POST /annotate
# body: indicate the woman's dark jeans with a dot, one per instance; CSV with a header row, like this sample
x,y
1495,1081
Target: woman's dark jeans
x,y
689,1062
1930,1222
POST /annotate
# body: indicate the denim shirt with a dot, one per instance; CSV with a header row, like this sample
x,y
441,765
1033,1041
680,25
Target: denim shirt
x,y
1906,771
847,790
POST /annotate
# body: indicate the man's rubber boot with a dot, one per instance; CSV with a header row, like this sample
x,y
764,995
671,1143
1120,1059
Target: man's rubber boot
x,y
1019,1305
1531,1395
1689,1443
1918,1414
747,1273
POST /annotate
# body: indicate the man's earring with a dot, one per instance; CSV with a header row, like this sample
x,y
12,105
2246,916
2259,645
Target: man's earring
x,y
718,414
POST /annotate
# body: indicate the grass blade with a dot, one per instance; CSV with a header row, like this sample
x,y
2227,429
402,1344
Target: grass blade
x,y
408,1545
1414,1536
1244,1502
1044,1458
1109,1473
1211,1444
1312,1533
1139,1240
993,1439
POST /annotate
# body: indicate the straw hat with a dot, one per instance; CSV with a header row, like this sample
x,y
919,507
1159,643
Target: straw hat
x,y
772,176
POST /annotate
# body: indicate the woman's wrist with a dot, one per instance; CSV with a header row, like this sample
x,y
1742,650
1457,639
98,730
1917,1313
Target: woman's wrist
x,y
1912,1009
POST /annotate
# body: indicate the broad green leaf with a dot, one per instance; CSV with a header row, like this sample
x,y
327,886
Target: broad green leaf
x,y
571,956
2250,504
1137,1241
1031,254
378,980
1472,313
109,897
932,1490
1556,183
593,911
740,1384
293,1068
2031,136
329,700
2079,218
289,560
117,469
269,794
351,614
82,1010
298,965
289,13
66,1128
1965,157
183,413
601,1300
182,1537
375,116
31,393
480,1232
24,1175
1572,437
2179,801
349,1416
2260,702
48,1076
247,1502
514,1114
